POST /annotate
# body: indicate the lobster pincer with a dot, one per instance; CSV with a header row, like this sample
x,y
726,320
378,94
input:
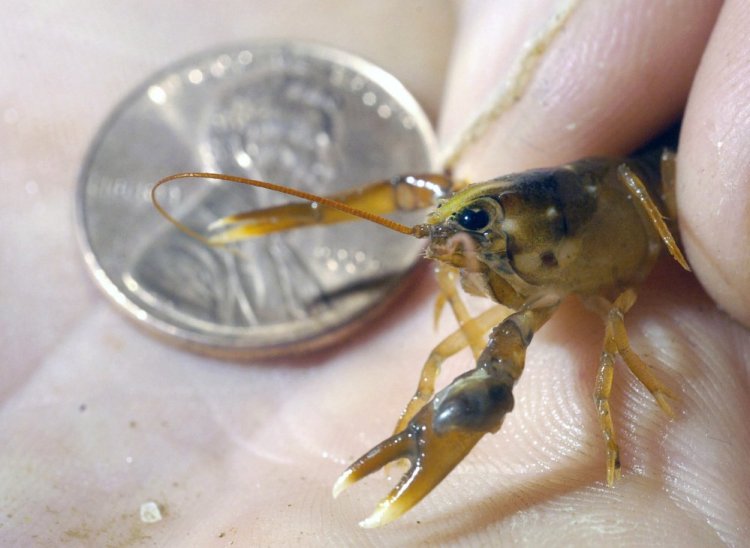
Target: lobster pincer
x,y
445,430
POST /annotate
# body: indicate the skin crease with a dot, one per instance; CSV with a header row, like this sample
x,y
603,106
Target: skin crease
x,y
97,417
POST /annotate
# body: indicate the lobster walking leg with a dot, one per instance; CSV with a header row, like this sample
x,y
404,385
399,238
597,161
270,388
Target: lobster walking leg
x,y
616,342
602,391
668,172
634,362
447,278
453,343
640,194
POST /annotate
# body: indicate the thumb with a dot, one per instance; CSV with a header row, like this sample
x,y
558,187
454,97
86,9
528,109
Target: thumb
x,y
714,165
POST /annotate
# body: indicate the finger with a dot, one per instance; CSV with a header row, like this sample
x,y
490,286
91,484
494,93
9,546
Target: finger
x,y
612,77
714,165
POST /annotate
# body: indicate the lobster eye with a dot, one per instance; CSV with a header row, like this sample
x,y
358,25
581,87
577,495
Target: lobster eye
x,y
473,218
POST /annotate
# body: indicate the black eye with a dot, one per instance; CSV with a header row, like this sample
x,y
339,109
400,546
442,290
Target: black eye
x,y
473,218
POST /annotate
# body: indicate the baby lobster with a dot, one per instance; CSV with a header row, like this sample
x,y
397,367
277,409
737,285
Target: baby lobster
x,y
526,241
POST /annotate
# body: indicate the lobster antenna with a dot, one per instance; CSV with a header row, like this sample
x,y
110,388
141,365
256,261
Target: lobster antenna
x,y
327,202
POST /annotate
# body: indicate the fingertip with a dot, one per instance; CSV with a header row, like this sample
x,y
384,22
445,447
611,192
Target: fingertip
x,y
714,167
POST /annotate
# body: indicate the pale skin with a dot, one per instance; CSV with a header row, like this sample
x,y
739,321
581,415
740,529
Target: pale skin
x,y
97,418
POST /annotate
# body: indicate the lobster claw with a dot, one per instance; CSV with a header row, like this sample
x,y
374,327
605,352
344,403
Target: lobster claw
x,y
439,436
432,456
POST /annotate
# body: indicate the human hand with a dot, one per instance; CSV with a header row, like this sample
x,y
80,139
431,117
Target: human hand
x,y
98,418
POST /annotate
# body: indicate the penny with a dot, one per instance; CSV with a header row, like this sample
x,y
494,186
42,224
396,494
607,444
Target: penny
x,y
302,115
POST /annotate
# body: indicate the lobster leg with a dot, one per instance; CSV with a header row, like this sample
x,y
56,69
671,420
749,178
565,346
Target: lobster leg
x,y
668,169
406,193
602,391
634,362
443,432
640,194
453,343
616,342
447,278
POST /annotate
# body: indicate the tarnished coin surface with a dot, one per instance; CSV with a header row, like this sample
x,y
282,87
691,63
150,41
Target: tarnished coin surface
x,y
301,115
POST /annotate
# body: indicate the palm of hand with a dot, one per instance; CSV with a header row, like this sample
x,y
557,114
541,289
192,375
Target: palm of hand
x,y
98,418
